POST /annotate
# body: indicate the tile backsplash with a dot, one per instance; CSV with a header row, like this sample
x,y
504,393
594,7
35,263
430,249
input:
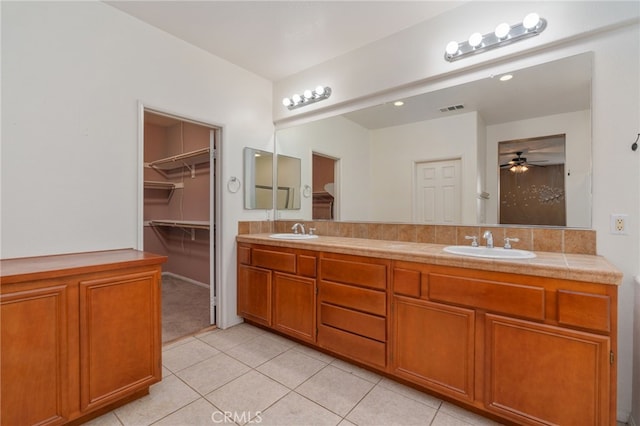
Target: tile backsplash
x,y
561,240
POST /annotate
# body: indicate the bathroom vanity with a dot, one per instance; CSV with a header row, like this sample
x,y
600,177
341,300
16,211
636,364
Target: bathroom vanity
x,y
529,341
81,334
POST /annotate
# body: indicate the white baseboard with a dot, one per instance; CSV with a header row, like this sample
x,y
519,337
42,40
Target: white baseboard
x,y
189,280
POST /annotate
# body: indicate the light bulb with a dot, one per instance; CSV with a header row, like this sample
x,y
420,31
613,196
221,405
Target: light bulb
x,y
502,30
308,94
531,21
320,90
475,39
296,98
452,47
287,102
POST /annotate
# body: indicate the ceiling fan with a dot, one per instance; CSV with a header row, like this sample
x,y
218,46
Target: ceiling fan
x,y
519,164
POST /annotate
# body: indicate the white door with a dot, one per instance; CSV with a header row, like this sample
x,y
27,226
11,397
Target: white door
x,y
438,192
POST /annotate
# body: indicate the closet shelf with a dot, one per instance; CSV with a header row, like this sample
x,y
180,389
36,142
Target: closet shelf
x,y
185,224
169,186
188,159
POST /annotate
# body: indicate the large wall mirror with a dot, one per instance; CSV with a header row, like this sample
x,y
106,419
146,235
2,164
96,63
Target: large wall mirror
x,y
258,178
435,159
288,191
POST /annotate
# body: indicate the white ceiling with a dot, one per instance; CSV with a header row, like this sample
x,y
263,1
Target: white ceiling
x,y
276,39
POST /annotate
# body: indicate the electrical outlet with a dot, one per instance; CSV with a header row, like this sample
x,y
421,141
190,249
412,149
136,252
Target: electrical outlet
x,y
619,224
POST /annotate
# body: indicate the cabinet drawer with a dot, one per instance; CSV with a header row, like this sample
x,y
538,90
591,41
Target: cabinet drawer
x,y
359,348
356,322
584,310
307,265
357,273
514,299
244,255
370,301
407,282
276,260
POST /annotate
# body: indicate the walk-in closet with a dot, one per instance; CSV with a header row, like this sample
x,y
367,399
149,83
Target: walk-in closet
x,y
179,173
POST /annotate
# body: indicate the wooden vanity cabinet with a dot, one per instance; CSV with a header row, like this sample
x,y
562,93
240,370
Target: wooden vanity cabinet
x,y
434,346
352,307
526,349
531,350
542,374
277,288
79,333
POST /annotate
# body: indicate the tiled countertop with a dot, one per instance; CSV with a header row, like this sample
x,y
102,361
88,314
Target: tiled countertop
x,y
580,267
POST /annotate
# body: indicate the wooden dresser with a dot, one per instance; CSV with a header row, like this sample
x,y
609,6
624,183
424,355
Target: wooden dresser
x,y
80,334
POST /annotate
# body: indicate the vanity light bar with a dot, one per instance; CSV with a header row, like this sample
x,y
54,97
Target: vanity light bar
x,y
504,34
308,97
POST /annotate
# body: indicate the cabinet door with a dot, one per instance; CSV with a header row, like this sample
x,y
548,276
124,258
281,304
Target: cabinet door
x,y
433,345
34,347
120,340
254,294
541,374
294,302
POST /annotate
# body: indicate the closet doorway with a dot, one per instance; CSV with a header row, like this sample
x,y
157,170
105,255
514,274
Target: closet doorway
x,y
179,169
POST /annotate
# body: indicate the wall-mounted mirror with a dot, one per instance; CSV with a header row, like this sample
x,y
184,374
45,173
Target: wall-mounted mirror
x,y
385,152
258,178
288,191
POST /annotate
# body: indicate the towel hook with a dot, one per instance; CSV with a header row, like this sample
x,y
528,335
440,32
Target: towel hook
x,y
635,144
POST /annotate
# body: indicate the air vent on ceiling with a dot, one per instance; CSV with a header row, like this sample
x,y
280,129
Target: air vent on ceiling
x,y
452,108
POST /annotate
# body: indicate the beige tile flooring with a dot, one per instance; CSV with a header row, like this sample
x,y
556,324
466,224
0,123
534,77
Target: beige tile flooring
x,y
257,377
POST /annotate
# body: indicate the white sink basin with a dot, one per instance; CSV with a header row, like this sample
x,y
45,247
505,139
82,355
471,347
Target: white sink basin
x,y
293,236
491,253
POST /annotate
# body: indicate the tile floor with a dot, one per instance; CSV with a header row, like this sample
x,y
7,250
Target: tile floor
x,y
257,377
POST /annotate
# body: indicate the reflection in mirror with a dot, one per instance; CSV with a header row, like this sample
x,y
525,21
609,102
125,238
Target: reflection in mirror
x,y
532,184
258,178
381,148
288,193
324,186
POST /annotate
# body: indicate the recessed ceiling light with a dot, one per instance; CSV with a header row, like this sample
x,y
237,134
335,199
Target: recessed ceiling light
x,y
398,103
506,77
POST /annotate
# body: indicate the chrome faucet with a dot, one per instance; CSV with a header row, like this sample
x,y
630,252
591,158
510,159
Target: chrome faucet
x,y
489,237
296,227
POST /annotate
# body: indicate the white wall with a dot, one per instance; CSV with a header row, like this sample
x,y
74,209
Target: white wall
x,y
338,138
412,62
577,128
72,76
395,150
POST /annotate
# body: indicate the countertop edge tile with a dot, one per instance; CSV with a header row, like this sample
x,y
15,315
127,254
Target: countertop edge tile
x,y
579,267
